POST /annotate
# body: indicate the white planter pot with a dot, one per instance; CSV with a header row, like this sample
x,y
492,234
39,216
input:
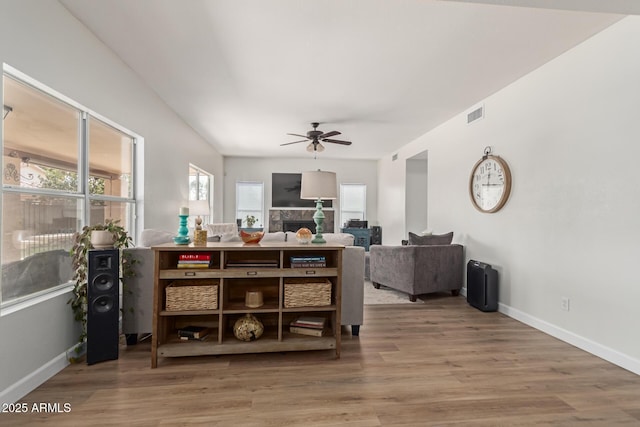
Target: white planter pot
x,y
101,239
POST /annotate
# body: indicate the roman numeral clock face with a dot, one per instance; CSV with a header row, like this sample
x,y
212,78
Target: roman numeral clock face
x,y
490,184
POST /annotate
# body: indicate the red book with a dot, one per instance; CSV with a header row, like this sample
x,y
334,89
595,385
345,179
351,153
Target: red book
x,y
194,257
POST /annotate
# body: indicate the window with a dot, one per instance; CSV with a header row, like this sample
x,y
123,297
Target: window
x,y
353,202
110,183
249,202
49,190
200,184
200,188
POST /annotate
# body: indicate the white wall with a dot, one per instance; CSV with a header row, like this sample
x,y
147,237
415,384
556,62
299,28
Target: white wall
x,y
391,194
569,132
260,169
42,40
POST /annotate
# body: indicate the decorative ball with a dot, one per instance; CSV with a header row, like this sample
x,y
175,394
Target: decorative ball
x,y
304,235
248,328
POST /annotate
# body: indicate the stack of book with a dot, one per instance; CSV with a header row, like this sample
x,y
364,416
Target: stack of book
x,y
193,333
308,325
306,261
200,260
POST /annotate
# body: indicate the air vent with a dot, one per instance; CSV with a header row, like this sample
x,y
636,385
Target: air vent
x,y
394,157
476,114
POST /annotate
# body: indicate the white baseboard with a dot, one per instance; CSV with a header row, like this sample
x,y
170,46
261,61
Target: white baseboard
x,y
26,385
592,347
578,341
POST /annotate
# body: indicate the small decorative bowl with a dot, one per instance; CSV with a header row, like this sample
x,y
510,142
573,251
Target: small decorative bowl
x,y
254,237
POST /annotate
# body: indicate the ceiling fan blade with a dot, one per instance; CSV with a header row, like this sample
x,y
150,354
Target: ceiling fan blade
x,y
328,134
301,136
294,142
337,141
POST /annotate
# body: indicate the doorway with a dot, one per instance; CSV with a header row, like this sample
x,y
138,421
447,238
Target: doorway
x,y
416,189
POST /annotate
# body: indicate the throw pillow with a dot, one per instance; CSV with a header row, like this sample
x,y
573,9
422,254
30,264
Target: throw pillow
x,y
230,237
434,239
276,236
219,229
290,236
152,237
345,239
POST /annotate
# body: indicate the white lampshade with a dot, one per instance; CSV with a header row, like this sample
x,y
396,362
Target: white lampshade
x,y
199,207
319,185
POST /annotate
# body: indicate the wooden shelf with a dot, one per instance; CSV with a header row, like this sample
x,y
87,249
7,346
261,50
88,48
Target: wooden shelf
x,y
188,312
241,308
309,309
234,281
205,348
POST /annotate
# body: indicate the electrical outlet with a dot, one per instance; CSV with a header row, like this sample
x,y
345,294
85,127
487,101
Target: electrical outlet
x,y
564,303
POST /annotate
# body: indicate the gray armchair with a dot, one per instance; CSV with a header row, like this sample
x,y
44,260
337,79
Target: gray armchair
x,y
417,269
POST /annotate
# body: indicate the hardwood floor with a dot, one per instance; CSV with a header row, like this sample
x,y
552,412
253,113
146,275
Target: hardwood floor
x,y
441,363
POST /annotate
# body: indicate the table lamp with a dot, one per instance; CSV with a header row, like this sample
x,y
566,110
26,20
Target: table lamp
x,y
319,185
199,208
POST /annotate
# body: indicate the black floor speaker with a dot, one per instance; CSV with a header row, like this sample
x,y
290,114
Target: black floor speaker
x,y
482,286
103,308
376,235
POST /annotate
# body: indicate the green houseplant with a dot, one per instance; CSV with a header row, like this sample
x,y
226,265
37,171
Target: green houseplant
x,y
250,220
79,253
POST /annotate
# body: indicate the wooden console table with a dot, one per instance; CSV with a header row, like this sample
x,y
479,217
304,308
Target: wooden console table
x,y
234,269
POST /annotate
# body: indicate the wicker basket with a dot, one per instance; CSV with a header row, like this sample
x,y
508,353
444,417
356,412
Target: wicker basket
x,y
185,295
307,292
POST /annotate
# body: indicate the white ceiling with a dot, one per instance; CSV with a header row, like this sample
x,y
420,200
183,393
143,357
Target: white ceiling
x,y
244,73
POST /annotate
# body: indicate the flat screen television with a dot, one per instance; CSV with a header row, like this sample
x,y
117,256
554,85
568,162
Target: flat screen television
x,y
285,192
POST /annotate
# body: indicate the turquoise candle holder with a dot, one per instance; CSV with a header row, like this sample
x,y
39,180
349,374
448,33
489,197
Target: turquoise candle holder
x,y
183,232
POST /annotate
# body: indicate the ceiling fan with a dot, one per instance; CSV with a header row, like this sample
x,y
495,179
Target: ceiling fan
x,y
316,137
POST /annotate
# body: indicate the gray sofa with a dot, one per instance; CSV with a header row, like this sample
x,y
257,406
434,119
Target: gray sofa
x,y
138,291
418,268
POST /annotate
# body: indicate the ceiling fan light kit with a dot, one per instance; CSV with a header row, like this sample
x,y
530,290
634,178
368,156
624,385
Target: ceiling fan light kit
x,y
316,138
315,147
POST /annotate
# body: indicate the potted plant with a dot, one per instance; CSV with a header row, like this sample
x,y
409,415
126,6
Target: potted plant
x,y
82,244
250,220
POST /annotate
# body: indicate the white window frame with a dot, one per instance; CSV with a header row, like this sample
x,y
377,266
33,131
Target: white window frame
x,y
199,171
82,194
344,214
239,185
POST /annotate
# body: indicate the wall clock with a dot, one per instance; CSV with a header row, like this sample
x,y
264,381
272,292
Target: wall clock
x,y
490,183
